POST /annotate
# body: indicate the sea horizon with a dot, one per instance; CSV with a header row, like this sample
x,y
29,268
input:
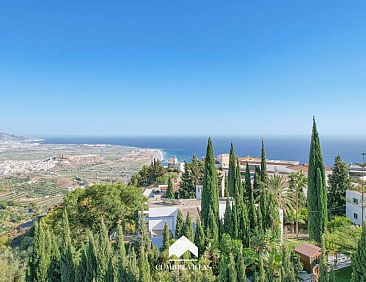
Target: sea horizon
x,y
295,148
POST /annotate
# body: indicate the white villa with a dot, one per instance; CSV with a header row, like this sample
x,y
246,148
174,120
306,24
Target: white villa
x,y
354,206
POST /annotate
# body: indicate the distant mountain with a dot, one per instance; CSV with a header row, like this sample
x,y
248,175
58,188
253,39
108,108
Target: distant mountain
x,y
4,137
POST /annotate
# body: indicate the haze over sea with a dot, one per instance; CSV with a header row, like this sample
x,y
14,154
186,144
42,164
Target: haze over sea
x,y
284,148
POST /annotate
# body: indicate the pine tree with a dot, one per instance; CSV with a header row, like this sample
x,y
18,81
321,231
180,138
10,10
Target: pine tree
x,y
179,225
121,255
91,258
166,237
339,182
235,223
199,237
54,273
231,182
169,192
188,228
104,252
210,198
67,252
359,258
40,258
317,194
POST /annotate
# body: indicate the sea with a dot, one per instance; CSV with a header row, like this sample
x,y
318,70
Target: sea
x,y
277,147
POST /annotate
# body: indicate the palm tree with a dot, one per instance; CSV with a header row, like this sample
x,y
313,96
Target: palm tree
x,y
278,188
297,182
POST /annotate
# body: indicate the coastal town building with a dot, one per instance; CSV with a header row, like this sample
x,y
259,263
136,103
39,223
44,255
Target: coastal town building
x,y
163,211
354,206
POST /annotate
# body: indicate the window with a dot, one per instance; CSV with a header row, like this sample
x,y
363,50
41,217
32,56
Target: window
x,y
355,201
355,216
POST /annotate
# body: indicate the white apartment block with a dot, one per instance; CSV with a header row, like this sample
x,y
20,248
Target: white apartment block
x,y
354,206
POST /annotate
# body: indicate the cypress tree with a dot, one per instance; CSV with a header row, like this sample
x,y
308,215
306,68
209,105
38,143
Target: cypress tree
x,y
359,258
228,219
288,272
332,277
40,258
339,183
188,228
210,198
231,173
104,252
91,258
143,265
259,220
263,164
242,277
187,188
323,274
232,272
121,255
317,194
110,274
179,225
169,192
252,212
262,273
81,267
54,273
67,252
166,237
248,183
199,237
133,269
235,224
212,229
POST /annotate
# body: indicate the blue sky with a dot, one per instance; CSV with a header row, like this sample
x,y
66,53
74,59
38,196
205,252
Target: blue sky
x,y
182,67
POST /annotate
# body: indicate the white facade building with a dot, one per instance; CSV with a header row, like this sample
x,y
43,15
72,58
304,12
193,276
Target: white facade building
x,y
354,206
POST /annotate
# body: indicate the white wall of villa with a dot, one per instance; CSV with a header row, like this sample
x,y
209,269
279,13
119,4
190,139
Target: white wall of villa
x,y
354,207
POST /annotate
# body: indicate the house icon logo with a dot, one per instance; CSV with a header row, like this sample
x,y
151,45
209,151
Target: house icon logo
x,y
182,245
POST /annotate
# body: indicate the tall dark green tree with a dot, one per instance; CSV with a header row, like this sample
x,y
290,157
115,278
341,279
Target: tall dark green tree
x,y
169,192
231,182
248,183
81,266
339,183
210,197
179,225
212,230
133,268
263,164
40,258
317,193
91,258
188,228
199,237
252,211
323,273
197,171
54,273
187,188
67,252
359,258
166,237
144,266
104,252
121,255
228,218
